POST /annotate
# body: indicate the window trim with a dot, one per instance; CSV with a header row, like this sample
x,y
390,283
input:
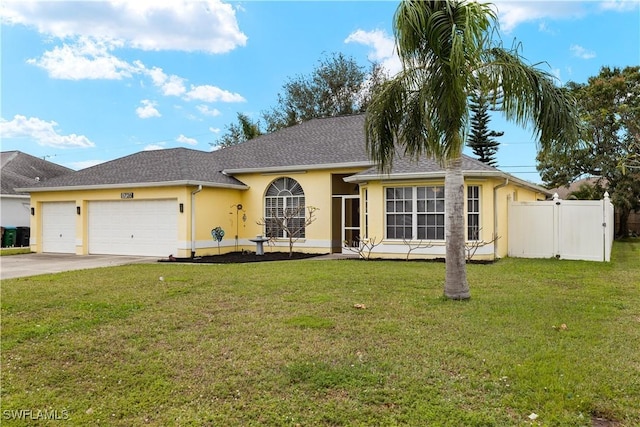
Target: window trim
x,y
469,213
285,193
414,213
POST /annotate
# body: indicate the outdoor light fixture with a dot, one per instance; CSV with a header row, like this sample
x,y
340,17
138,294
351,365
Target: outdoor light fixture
x,y
78,210
181,207
33,211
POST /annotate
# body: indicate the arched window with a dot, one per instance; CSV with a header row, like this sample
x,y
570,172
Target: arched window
x,y
284,209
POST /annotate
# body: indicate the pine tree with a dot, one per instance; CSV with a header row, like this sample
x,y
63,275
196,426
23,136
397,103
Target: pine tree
x,y
481,139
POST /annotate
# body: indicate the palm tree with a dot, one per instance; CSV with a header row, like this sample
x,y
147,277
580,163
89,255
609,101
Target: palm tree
x,y
445,47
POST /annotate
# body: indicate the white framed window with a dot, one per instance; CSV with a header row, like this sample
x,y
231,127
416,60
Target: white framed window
x,y
415,213
473,212
399,204
284,209
366,212
430,207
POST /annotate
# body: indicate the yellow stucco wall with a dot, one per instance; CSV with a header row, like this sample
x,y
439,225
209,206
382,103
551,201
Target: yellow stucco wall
x,y
318,186
238,213
490,227
215,207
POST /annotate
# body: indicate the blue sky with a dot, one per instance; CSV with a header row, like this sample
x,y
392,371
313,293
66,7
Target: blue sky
x,y
87,82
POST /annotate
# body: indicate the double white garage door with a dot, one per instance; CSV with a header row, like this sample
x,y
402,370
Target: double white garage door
x,y
115,227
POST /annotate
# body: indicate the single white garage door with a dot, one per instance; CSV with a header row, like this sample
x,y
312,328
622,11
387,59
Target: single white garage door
x,y
133,227
59,227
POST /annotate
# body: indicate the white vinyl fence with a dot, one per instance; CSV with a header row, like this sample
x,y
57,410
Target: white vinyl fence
x,y
566,229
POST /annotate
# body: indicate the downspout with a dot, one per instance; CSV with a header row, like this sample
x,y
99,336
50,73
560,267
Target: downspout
x,y
193,220
495,215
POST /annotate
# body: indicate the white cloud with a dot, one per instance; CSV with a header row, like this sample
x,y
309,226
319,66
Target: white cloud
x,y
513,13
186,140
383,48
208,93
208,25
91,32
44,133
152,147
147,109
620,5
544,28
205,110
84,59
581,52
215,130
170,85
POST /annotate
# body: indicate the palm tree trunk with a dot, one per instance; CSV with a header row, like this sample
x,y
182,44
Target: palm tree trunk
x,y
456,286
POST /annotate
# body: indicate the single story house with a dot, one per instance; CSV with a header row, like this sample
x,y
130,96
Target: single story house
x,y
167,202
18,169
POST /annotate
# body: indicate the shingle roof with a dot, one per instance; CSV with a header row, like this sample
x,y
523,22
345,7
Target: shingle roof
x,y
175,165
18,169
315,143
404,165
318,143
406,168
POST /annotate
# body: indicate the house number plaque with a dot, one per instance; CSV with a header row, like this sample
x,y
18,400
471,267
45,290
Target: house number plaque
x,y
126,195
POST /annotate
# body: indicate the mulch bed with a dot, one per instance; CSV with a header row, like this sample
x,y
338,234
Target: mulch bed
x,y
247,256
242,257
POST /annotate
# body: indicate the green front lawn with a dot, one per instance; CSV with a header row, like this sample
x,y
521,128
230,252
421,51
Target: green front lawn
x,y
325,343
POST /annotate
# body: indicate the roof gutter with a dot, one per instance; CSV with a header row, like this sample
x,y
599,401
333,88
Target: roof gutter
x,y
132,185
495,215
297,168
193,220
468,174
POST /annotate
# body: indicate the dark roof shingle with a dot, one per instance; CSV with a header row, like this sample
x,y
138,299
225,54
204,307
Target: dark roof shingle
x,y
156,166
318,143
336,140
18,169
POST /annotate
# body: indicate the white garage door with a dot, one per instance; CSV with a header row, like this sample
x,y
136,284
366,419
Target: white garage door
x,y
133,227
59,227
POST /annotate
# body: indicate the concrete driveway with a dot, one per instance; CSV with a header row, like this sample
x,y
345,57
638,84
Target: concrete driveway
x,y
13,266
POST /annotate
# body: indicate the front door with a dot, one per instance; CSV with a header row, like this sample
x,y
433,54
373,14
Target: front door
x,y
350,222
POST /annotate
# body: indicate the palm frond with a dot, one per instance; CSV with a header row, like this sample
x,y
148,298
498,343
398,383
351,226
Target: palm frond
x,y
530,96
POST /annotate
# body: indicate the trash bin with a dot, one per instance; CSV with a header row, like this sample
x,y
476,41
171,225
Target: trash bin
x,y
22,236
9,237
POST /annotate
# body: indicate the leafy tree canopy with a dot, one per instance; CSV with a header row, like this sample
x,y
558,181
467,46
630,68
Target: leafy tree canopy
x,y
609,107
337,86
243,130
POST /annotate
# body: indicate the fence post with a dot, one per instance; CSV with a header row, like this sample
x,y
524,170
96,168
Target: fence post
x,y
556,225
607,227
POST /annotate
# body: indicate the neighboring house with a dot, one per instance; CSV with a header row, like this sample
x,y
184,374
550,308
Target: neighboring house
x,y
566,192
17,170
166,202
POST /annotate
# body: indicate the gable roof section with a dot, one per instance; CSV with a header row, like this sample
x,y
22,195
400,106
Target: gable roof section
x,y
315,144
175,166
405,168
18,169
